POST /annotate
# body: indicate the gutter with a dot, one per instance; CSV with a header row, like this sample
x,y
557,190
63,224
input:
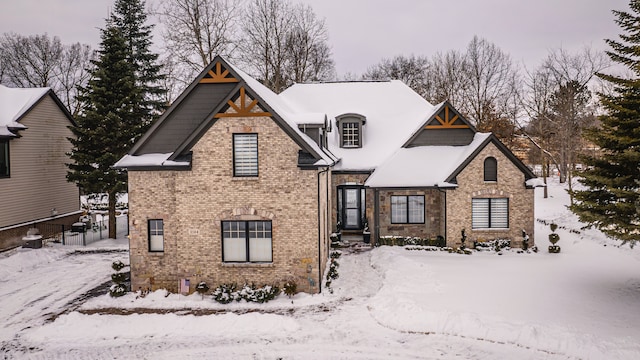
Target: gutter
x,y
319,237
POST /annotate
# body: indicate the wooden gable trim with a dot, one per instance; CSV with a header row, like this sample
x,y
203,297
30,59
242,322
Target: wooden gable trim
x,y
452,119
220,75
244,110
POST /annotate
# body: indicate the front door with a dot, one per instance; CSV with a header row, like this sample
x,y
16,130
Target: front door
x,y
351,200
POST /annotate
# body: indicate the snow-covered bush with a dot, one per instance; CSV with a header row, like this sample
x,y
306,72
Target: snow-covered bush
x,y
496,245
202,288
394,240
554,238
118,288
227,293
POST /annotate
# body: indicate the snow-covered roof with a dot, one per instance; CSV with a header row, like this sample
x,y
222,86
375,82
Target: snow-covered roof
x,y
392,110
154,160
14,103
423,166
284,109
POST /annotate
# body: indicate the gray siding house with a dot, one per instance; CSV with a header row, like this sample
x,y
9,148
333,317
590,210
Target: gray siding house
x,y
33,153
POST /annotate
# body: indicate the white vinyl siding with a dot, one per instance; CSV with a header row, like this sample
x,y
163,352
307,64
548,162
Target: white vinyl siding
x,y
156,235
245,154
490,213
246,241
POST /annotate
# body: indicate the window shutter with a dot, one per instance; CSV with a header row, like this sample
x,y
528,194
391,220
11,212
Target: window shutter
x,y
245,155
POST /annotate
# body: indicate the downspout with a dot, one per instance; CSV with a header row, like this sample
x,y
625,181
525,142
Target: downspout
x,y
319,237
445,212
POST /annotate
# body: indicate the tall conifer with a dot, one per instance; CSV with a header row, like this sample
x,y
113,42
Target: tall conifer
x,y
103,134
611,200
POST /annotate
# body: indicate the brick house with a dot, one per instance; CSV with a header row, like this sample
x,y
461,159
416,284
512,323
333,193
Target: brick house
x,y
34,127
237,184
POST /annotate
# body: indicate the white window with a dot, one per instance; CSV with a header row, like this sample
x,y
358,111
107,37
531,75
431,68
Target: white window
x,y
351,134
407,209
156,235
246,241
245,154
490,213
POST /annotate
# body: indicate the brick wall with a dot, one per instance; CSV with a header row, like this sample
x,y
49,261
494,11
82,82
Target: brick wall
x,y
510,184
433,224
193,204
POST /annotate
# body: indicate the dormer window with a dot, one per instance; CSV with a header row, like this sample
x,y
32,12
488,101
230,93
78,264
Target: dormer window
x,y
350,129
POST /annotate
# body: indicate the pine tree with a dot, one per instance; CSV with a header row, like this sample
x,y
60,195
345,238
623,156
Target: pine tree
x,y
611,201
103,135
129,16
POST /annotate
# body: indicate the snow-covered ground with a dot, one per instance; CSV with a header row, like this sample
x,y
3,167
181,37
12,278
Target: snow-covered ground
x,y
389,303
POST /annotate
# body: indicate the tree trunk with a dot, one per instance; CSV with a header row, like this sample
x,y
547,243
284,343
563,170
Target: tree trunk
x,y
545,174
112,215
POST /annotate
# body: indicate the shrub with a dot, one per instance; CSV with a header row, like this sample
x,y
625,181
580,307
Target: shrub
x,y
225,293
119,278
202,288
117,290
290,288
117,265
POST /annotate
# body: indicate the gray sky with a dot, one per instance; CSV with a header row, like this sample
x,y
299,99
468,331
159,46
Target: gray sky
x,y
362,32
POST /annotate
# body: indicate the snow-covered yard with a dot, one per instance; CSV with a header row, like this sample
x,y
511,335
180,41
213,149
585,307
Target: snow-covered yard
x,y
389,303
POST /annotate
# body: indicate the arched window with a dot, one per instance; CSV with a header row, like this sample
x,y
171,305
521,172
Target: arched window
x,y
350,127
490,169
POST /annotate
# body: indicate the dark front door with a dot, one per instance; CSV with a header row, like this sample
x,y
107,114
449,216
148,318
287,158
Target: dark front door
x,y
351,200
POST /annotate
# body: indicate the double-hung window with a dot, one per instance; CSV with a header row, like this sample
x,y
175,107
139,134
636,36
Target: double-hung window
x,y
407,209
4,158
246,241
156,235
491,213
245,155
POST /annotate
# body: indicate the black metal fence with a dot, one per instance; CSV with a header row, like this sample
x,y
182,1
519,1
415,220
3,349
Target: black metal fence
x,y
83,235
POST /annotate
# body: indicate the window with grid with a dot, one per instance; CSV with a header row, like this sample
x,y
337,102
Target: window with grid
x,y
4,158
350,134
246,241
491,213
407,209
245,154
156,235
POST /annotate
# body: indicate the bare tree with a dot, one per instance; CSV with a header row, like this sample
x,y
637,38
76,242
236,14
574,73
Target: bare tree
x,y
491,82
560,104
279,39
447,78
42,61
72,71
309,55
31,60
195,31
412,70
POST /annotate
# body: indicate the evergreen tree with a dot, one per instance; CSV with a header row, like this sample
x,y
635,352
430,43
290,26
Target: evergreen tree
x,y
103,135
611,201
129,16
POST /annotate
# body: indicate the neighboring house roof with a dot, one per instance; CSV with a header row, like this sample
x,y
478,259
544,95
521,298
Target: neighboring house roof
x,y
15,103
392,111
171,138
